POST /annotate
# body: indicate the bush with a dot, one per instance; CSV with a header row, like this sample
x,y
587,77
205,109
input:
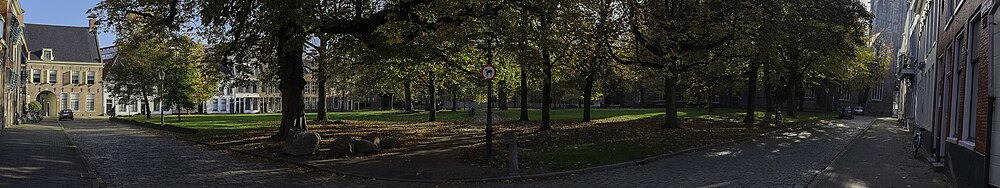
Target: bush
x,y
35,106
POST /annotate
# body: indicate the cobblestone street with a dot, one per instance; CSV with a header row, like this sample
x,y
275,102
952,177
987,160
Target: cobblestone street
x,y
881,157
789,159
125,156
40,155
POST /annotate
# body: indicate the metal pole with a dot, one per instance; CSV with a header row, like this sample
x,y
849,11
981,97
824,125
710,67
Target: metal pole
x,y
160,102
489,118
489,104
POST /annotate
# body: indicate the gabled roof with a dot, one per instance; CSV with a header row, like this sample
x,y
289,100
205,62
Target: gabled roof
x,y
68,43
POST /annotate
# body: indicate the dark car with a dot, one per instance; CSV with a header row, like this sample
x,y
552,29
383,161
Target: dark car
x,y
66,114
859,111
846,113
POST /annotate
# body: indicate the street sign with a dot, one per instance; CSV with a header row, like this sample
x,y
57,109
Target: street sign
x,y
489,72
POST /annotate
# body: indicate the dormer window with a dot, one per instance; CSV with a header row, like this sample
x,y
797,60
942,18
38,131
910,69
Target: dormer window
x,y
47,54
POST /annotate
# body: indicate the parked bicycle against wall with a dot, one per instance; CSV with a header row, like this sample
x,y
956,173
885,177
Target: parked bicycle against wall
x,y
32,117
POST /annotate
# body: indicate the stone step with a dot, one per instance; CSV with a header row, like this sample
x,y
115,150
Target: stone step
x,y
938,167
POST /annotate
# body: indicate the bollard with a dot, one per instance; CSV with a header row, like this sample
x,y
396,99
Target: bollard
x,y
510,138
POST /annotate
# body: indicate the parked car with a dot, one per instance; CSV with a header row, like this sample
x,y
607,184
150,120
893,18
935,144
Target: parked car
x,y
66,114
846,112
859,111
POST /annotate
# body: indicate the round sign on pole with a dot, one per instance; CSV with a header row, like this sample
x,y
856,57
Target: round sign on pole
x,y
489,72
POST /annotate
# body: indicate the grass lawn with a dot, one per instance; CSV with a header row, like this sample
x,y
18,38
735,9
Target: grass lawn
x,y
615,135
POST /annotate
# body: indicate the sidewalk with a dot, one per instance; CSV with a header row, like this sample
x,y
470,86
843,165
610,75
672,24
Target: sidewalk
x,y
881,157
40,155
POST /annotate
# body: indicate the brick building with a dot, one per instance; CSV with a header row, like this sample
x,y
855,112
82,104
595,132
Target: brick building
x,y
949,86
64,69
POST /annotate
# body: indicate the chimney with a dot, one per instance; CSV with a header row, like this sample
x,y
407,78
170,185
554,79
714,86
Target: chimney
x,y
93,25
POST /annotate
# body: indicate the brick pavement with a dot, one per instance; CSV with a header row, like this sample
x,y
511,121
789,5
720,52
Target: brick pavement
x,y
881,157
40,155
790,159
126,156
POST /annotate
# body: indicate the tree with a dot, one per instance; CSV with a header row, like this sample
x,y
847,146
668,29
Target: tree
x,y
677,36
130,75
270,33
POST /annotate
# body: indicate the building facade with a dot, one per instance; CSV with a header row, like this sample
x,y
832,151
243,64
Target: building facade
x,y
64,69
14,52
948,86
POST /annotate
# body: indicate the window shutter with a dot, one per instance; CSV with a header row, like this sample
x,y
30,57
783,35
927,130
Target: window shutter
x,y
67,79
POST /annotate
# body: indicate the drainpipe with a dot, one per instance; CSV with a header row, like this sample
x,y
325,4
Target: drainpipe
x,y
989,139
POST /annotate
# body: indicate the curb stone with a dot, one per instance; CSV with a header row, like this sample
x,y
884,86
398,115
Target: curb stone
x,y
841,153
91,173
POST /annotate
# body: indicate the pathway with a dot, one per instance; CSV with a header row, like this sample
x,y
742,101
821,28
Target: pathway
x,y
882,157
40,155
126,156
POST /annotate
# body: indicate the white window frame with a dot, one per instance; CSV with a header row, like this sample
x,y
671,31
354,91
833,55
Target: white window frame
x,y
53,76
36,74
91,77
74,77
75,101
90,102
47,54
64,101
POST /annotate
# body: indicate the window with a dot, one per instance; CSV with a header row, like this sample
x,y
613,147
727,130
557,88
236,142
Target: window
x,y
90,102
53,76
90,77
75,99
64,101
876,92
133,108
224,105
47,54
811,94
36,76
215,105
75,77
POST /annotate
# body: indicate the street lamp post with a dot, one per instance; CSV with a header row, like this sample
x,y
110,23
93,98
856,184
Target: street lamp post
x,y
160,102
490,16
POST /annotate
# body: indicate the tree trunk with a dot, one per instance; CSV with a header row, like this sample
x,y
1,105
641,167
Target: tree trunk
x,y
669,90
148,109
321,97
588,92
524,94
454,98
751,94
291,45
546,93
431,98
642,93
502,98
708,100
792,105
407,98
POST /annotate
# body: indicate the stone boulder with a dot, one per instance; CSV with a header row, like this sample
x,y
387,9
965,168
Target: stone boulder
x,y
365,147
343,145
301,142
374,138
390,143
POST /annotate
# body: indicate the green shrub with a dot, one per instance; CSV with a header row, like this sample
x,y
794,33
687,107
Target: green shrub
x,y
35,106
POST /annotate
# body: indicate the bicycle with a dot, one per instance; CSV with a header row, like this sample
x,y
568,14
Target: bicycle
x,y
917,141
32,117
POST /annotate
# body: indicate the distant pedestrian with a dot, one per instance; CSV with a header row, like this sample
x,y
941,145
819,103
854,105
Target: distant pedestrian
x,y
778,117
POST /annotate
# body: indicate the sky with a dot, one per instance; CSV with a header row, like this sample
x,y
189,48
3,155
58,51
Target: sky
x,y
62,12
